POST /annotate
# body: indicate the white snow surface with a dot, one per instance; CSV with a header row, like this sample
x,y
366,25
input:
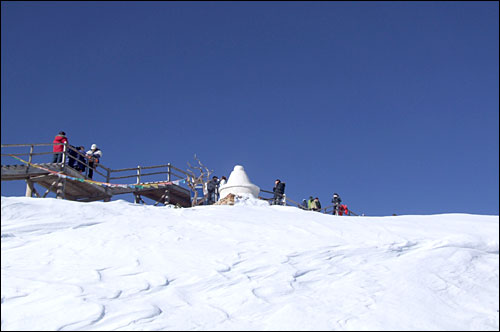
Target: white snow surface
x,y
122,266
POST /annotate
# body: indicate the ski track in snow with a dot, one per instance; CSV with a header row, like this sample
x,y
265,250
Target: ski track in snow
x,y
195,269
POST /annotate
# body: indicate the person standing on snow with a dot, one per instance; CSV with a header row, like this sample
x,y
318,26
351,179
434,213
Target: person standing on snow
x,y
344,210
59,148
94,154
309,203
222,182
279,191
304,204
211,188
336,200
316,205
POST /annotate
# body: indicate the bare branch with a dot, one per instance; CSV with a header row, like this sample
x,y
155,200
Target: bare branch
x,y
194,180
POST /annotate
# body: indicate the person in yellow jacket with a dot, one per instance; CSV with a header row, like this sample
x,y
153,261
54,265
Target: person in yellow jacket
x,y
309,203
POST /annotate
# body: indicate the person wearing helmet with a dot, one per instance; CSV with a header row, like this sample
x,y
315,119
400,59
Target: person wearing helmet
x,y
94,154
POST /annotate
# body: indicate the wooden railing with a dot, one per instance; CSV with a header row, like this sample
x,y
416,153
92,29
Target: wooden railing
x,y
33,157
288,200
105,174
172,173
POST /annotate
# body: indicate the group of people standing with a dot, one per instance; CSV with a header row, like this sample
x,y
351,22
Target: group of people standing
x,y
212,191
312,204
77,157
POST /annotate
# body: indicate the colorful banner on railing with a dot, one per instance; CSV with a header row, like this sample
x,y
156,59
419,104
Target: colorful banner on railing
x,y
105,184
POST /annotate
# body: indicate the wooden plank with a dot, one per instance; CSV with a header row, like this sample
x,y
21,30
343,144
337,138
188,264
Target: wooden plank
x,y
73,189
176,195
20,172
84,191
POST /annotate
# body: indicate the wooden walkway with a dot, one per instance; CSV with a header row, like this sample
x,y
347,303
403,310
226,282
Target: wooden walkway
x,y
81,189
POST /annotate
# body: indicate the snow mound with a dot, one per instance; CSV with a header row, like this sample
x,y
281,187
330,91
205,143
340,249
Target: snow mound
x,y
122,266
249,200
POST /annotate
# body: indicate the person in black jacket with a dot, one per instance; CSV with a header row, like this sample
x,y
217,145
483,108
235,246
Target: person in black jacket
x,y
279,191
336,200
211,187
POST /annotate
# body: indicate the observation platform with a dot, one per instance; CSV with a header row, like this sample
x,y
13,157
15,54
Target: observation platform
x,y
77,186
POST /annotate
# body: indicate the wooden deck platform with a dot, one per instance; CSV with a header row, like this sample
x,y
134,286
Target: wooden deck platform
x,y
87,192
22,172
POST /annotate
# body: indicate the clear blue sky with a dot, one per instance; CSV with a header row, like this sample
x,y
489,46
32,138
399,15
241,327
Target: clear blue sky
x,y
394,105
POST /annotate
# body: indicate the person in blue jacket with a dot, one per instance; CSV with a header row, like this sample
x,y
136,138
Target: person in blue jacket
x,y
77,158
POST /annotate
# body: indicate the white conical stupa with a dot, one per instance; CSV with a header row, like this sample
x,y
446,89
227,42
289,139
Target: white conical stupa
x,y
239,183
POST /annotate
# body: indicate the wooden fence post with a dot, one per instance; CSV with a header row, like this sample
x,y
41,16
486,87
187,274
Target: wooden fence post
x,y
137,199
29,184
65,152
107,190
60,189
30,159
29,188
61,184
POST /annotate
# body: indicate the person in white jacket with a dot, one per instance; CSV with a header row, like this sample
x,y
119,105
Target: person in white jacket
x,y
94,154
222,182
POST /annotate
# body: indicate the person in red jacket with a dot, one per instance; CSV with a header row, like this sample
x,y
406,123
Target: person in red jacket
x,y
58,149
344,210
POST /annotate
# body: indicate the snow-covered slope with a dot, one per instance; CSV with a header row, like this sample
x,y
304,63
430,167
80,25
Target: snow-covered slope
x,y
120,266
